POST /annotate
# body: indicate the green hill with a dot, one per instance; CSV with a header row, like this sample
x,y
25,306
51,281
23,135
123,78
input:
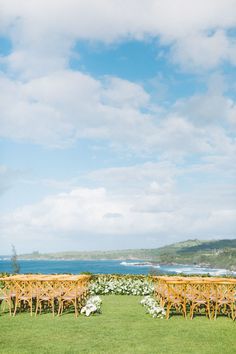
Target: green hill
x,y
216,253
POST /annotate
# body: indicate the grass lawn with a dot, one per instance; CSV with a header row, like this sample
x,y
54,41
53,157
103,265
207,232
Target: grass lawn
x,y
123,327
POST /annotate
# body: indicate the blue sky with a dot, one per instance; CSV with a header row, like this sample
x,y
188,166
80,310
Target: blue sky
x,y
117,124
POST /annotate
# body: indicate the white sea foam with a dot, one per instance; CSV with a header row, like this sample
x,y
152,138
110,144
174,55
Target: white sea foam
x,y
139,264
181,268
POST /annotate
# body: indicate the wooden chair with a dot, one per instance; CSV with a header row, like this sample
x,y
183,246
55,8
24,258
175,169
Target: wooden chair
x,y
225,299
45,296
161,293
69,297
74,293
23,295
198,297
175,297
4,298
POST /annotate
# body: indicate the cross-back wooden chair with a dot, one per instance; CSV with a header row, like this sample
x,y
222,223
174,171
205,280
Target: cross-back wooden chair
x,y
161,292
23,299
69,296
225,299
175,297
5,297
45,295
198,296
83,291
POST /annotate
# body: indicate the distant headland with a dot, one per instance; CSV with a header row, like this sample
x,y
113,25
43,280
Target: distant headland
x,y
216,253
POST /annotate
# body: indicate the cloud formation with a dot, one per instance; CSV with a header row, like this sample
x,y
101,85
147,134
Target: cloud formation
x,y
43,33
181,180
58,109
151,208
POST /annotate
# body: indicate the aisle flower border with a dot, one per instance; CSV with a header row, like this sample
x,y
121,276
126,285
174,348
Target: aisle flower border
x,y
92,306
152,307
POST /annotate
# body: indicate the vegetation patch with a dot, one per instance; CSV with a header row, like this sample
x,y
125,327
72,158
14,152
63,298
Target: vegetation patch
x,y
121,285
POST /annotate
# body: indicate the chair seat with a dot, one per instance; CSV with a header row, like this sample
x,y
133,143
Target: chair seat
x,y
225,301
58,293
200,301
175,301
45,298
69,297
24,298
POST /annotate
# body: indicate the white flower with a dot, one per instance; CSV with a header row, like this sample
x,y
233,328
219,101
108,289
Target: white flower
x,y
152,307
93,305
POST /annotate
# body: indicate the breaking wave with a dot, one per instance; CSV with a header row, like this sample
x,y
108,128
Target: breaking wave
x,y
180,268
139,264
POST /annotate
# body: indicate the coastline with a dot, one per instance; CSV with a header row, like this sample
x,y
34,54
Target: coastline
x,y
113,266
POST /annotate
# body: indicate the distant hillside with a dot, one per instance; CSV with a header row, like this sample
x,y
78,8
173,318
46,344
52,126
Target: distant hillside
x,y
217,253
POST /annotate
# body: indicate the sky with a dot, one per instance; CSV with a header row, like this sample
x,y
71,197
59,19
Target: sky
x,y
117,123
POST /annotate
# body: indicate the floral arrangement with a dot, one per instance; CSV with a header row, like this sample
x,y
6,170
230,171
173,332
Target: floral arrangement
x,y
92,306
121,286
152,307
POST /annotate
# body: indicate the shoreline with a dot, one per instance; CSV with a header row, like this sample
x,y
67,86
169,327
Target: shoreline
x,y
129,262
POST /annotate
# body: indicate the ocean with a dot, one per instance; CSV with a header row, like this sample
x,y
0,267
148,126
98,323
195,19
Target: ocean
x,y
106,267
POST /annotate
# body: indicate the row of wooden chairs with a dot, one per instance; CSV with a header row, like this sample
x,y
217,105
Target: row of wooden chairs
x,y
214,296
39,292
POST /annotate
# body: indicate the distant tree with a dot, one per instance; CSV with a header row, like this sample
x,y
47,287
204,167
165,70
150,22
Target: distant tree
x,y
14,261
35,253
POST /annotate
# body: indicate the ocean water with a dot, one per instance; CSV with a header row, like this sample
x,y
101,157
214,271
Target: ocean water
x,y
106,267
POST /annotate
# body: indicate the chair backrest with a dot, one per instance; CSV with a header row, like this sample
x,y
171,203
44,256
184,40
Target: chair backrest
x,y
70,287
199,290
176,290
44,288
23,288
226,291
3,294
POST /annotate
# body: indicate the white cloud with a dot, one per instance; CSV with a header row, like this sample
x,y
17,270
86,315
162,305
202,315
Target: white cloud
x,y
211,108
58,109
121,93
201,50
98,212
43,32
52,106
152,203
161,173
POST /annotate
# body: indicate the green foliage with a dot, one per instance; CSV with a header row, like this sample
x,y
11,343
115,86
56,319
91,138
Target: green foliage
x,y
14,261
2,275
209,245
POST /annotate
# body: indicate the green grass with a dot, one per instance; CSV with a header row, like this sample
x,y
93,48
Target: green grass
x,y
123,327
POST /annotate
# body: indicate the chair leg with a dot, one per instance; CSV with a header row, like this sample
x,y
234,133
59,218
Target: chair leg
x,y
208,311
37,307
60,308
53,313
184,311
192,311
31,307
11,304
76,310
168,311
14,313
